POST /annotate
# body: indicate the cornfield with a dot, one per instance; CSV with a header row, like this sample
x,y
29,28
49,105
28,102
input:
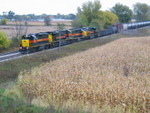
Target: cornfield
x,y
116,74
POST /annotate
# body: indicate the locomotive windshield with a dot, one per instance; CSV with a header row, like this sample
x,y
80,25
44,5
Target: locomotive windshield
x,y
30,37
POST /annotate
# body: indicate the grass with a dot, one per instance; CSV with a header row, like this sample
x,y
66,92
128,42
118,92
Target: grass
x,y
13,47
9,105
97,77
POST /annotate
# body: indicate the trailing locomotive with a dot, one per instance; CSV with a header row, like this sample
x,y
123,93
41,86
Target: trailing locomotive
x,y
45,40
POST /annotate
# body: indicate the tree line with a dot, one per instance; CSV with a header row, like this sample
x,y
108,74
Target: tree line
x,y
91,15
11,16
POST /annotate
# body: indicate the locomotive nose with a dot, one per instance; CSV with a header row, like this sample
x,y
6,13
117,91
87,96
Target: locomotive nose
x,y
25,43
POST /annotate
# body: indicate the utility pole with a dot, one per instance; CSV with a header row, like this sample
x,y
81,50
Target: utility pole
x,y
60,27
59,38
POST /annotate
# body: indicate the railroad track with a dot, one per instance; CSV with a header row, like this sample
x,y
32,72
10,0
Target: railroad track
x,y
9,56
16,54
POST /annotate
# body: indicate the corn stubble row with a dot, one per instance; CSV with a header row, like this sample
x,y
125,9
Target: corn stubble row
x,y
116,74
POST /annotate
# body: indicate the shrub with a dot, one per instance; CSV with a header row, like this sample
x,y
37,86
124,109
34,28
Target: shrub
x,y
16,39
60,26
47,21
10,105
4,41
3,21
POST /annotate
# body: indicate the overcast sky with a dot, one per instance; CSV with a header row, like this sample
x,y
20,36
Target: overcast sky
x,y
57,6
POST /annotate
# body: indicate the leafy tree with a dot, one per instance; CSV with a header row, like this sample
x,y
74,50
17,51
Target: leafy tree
x,y
87,13
123,12
90,15
18,17
26,17
3,21
4,41
60,26
97,23
47,20
109,18
91,10
80,21
32,16
58,16
71,16
141,11
11,15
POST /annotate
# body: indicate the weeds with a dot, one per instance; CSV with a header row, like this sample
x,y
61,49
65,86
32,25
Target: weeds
x,y
9,105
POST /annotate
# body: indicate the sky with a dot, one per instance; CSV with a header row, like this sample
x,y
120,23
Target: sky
x,y
57,6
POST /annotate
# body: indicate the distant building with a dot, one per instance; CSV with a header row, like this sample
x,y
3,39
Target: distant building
x,y
133,20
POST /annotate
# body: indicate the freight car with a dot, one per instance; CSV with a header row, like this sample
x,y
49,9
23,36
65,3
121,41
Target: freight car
x,y
137,25
110,30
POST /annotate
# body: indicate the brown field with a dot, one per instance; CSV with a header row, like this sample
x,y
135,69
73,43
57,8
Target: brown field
x,y
115,77
39,23
33,27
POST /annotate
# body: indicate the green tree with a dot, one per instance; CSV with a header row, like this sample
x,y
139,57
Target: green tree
x,y
11,15
47,20
71,16
91,15
80,21
123,12
3,21
109,18
89,12
141,11
4,41
60,26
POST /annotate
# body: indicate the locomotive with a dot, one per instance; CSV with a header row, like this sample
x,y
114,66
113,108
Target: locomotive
x,y
44,40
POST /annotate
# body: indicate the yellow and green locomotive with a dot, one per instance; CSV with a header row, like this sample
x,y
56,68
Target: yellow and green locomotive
x,y
34,42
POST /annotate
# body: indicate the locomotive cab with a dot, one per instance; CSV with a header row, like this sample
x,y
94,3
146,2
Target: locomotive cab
x,y
25,42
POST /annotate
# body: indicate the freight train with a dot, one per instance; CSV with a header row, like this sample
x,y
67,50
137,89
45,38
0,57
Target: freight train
x,y
45,40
